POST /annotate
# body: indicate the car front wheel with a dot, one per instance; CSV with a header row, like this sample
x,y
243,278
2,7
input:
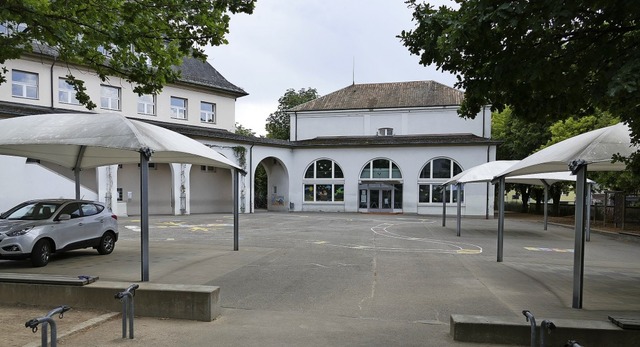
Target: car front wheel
x,y
107,243
41,253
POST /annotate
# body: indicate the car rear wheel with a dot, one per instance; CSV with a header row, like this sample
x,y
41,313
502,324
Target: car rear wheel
x,y
41,253
107,243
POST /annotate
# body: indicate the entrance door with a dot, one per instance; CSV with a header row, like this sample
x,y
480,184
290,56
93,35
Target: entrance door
x,y
380,200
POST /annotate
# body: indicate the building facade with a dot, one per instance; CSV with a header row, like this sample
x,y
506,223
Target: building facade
x,y
382,147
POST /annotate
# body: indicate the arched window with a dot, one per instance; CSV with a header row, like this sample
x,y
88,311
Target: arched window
x,y
380,169
433,174
323,182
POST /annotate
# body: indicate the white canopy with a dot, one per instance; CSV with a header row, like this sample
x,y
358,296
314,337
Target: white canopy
x,y
595,147
107,138
80,140
592,151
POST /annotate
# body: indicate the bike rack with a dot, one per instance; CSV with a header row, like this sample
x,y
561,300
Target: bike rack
x,y
545,328
532,319
126,297
46,321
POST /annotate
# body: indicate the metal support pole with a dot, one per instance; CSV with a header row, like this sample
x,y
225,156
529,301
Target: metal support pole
x,y
501,219
546,203
76,169
236,201
579,169
444,205
588,214
144,214
459,213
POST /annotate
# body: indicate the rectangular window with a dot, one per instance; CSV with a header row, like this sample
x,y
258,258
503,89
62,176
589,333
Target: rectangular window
x,y
178,108
66,93
24,84
308,192
207,112
338,192
424,193
147,104
110,98
323,192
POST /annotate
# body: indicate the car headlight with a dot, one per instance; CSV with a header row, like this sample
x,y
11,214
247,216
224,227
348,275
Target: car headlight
x,y
20,231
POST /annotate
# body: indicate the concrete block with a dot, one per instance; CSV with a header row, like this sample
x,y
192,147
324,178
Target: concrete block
x,y
510,330
194,302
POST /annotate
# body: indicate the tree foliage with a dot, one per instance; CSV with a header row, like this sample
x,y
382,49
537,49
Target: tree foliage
x,y
278,122
241,130
141,41
547,59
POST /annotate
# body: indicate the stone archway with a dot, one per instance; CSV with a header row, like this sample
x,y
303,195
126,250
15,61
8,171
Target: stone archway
x,y
274,194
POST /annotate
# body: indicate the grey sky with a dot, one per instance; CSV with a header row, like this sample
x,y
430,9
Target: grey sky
x,y
314,43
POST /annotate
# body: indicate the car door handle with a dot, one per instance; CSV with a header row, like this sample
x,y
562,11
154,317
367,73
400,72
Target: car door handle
x,y
80,224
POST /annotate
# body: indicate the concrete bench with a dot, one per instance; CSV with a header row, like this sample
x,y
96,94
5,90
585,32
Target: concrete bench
x,y
515,331
194,302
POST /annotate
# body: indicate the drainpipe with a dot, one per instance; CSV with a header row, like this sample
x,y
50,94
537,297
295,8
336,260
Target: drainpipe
x,y
51,80
296,128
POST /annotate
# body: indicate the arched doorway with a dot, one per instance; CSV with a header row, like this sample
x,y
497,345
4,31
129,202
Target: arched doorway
x,y
380,188
271,188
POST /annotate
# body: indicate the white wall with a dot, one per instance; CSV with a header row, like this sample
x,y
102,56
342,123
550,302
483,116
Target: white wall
x,y
20,182
425,121
48,74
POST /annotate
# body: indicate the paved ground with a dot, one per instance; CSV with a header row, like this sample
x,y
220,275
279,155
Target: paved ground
x,y
339,279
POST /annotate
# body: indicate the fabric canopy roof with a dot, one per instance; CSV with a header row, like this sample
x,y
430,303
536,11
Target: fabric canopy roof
x,y
595,148
488,171
106,138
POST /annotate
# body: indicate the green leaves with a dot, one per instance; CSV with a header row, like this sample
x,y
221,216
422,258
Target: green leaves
x,y
142,39
549,60
278,122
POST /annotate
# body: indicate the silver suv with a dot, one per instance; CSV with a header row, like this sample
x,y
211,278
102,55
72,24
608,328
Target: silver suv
x,y
35,229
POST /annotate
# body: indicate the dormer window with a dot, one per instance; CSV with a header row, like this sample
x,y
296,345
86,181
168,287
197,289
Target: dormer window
x,y
385,132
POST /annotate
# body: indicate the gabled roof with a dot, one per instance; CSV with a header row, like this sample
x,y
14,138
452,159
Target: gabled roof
x,y
385,95
202,73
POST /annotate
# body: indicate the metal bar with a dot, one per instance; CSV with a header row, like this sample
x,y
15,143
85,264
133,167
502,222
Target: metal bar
x,y
144,215
578,252
501,219
444,205
546,203
545,328
532,320
459,213
76,169
236,233
588,213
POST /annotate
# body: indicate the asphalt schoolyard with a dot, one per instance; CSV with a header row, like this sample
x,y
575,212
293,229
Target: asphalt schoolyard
x,y
319,279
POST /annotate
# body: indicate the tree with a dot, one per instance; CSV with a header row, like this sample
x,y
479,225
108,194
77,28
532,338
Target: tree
x,y
141,41
546,59
278,122
520,138
241,130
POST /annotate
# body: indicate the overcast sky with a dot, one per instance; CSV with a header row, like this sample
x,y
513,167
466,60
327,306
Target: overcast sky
x,y
314,43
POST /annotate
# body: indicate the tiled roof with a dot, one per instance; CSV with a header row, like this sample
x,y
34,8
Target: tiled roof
x,y
396,140
198,72
385,95
193,71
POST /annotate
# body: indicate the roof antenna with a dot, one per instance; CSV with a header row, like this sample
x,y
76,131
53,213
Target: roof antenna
x,y
353,72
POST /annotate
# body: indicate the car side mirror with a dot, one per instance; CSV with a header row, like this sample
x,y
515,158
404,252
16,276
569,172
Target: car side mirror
x,y
64,216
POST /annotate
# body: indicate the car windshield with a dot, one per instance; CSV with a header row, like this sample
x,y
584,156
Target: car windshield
x,y
32,211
